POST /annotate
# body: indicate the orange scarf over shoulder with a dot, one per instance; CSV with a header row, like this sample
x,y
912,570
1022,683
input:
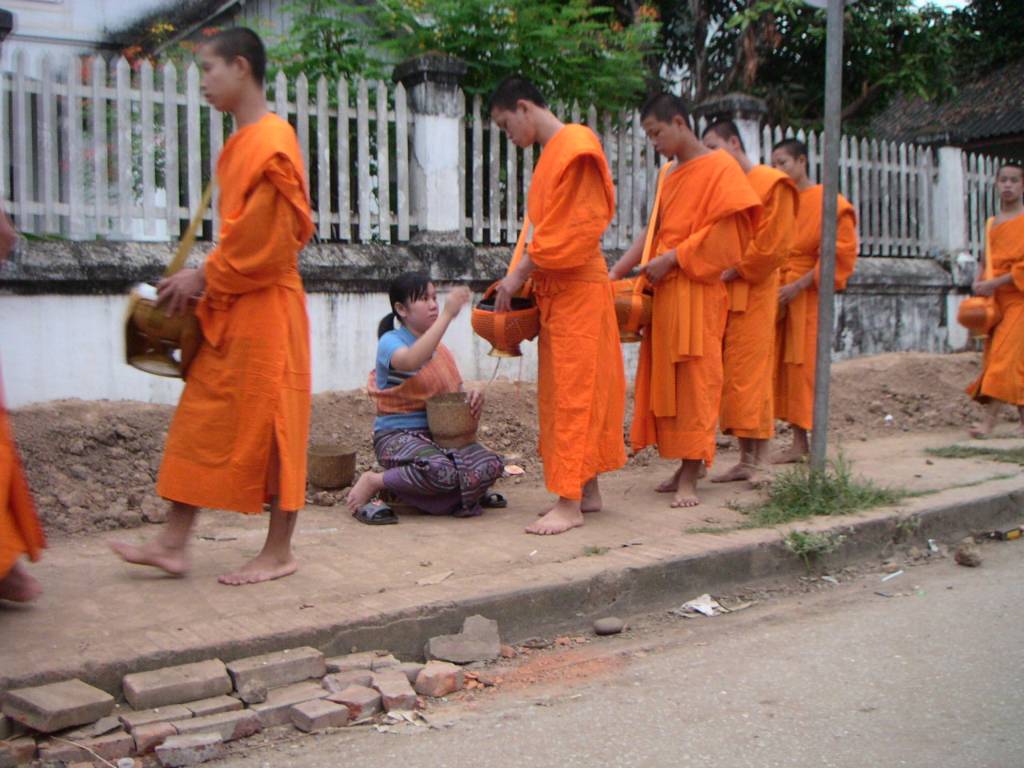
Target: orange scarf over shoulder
x,y
437,377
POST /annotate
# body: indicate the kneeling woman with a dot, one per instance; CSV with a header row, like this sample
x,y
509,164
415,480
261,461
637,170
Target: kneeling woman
x,y
412,367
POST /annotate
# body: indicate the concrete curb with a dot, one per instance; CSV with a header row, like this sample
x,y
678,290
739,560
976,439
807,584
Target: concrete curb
x,y
558,607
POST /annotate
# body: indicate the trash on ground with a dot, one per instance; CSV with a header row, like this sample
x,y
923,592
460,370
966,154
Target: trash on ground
x,y
514,470
968,554
830,579
893,575
932,546
705,605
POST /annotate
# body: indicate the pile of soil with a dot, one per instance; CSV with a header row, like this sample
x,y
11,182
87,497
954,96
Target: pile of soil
x,y
92,465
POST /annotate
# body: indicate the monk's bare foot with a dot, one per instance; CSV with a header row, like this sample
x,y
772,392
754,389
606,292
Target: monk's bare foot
x,y
263,567
741,471
19,586
172,561
562,517
703,471
368,486
789,456
591,501
670,485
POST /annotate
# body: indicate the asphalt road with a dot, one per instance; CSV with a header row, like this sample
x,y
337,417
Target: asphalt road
x,y
839,676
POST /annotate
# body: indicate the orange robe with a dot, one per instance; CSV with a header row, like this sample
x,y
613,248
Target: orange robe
x,y
248,389
707,215
1002,376
20,532
748,353
581,388
797,328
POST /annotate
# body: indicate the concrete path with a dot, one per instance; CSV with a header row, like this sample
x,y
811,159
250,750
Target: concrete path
x,y
359,585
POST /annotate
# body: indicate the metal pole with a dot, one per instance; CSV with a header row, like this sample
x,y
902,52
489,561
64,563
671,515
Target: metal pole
x,y
830,180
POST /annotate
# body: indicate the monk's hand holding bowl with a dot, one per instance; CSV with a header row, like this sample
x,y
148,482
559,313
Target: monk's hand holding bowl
x,y
984,287
507,288
730,274
475,398
175,292
659,266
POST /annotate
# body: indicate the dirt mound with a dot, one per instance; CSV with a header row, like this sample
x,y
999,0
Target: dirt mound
x,y
92,465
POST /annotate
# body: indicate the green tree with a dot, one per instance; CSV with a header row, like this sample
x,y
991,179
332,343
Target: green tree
x,y
988,34
571,49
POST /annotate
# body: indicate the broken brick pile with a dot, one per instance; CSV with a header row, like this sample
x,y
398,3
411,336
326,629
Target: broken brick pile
x,y
186,714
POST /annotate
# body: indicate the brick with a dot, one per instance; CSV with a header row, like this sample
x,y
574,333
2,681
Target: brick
x,y
111,747
54,707
193,749
229,725
273,670
18,751
478,641
132,720
339,681
353,661
411,669
439,678
395,691
213,706
384,662
150,736
176,685
361,701
319,714
275,710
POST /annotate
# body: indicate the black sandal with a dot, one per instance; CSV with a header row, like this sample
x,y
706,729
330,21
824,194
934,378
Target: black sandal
x,y
376,513
493,500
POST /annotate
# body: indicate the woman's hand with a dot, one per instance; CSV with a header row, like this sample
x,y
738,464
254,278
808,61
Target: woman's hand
x,y
457,298
475,398
176,291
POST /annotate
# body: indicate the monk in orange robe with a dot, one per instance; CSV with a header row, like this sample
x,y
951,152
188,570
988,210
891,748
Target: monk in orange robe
x,y
797,330
581,388
20,532
703,225
748,352
238,438
1002,376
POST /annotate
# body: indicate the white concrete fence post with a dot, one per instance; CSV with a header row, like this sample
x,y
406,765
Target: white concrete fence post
x,y
951,237
435,174
748,112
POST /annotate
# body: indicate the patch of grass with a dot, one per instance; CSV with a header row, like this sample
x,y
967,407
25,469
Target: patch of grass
x,y
800,493
710,529
809,546
594,551
1004,455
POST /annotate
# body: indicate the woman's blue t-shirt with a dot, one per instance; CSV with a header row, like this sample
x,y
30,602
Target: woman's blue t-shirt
x,y
387,377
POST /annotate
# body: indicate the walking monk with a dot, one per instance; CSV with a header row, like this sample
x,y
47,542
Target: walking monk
x,y
20,532
797,330
238,438
581,389
1002,376
748,353
703,224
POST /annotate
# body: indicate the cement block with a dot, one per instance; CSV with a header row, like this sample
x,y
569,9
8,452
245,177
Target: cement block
x,y
339,681
213,706
353,661
132,720
478,641
273,670
111,747
176,685
319,714
228,725
193,749
54,707
361,701
411,669
150,736
395,691
439,678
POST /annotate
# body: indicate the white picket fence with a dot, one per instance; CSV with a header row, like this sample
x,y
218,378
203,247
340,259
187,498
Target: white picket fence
x,y
102,150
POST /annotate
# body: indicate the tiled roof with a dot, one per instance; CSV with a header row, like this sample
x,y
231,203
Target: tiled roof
x,y
990,106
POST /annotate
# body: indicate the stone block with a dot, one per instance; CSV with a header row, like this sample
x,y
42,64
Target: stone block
x,y
193,749
151,735
254,693
352,661
276,709
20,750
56,706
384,662
395,691
411,669
273,670
213,706
228,725
318,714
111,747
478,641
176,685
361,701
132,720
339,681
439,678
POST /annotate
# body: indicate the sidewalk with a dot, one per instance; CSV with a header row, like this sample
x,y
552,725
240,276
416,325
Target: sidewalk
x,y
362,587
